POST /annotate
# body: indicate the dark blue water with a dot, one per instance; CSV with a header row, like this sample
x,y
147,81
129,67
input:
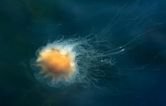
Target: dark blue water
x,y
137,77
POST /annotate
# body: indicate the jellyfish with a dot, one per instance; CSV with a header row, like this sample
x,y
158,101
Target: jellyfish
x,y
67,62
74,61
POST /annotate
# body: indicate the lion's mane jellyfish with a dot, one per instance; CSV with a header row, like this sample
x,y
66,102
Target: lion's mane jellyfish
x,y
67,62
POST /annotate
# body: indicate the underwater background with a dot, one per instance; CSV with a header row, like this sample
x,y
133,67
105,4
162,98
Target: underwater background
x,y
137,76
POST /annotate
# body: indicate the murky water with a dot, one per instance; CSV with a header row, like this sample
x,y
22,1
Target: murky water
x,y
133,33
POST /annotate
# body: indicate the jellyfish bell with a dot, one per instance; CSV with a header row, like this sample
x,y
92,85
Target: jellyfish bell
x,y
58,62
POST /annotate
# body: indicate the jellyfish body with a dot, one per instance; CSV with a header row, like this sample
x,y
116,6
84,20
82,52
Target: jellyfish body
x,y
57,62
